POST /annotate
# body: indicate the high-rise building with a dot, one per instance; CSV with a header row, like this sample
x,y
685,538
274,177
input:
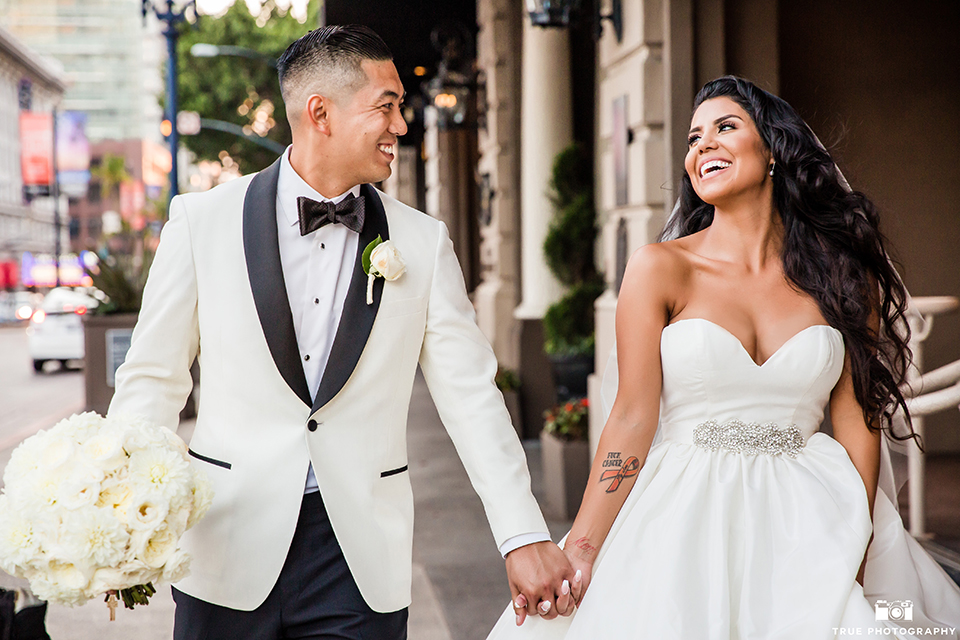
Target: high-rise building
x,y
111,60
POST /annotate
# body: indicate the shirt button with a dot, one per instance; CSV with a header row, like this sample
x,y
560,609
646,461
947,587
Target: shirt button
x,y
316,301
306,357
312,425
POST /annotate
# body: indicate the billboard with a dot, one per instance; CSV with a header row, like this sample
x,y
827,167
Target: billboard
x,y
36,152
41,270
73,153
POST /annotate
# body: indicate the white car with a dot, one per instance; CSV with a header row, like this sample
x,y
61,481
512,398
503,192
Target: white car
x,y
56,328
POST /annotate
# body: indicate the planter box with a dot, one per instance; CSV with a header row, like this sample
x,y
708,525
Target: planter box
x,y
570,375
105,342
566,469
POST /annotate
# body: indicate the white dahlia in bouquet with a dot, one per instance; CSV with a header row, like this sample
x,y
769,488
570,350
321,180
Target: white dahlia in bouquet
x,y
97,505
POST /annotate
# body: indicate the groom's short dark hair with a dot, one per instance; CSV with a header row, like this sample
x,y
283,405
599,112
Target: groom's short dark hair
x,y
328,61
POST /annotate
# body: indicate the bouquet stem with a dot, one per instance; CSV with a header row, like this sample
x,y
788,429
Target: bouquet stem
x,y
111,601
131,597
139,594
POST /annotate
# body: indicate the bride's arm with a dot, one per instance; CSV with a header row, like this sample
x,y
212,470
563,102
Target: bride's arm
x,y
851,431
643,309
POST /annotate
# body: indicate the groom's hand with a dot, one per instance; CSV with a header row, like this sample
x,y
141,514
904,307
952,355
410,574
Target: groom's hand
x,y
537,573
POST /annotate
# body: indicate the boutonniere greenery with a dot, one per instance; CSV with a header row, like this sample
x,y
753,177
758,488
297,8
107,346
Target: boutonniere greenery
x,y
381,259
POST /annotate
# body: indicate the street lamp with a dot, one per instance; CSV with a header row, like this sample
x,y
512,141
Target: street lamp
x,y
451,91
171,13
560,13
551,13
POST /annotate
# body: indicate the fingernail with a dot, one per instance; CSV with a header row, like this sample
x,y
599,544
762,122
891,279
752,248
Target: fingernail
x,y
519,620
544,606
577,578
565,587
521,601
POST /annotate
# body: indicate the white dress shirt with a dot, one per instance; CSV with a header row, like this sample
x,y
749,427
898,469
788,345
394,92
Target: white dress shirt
x,y
317,269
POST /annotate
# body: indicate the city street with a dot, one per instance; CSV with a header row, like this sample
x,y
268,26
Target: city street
x,y
31,401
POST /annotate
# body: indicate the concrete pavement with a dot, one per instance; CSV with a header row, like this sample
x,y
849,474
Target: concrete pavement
x,y
459,579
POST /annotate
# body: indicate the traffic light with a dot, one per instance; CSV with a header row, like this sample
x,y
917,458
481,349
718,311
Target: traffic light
x,y
166,128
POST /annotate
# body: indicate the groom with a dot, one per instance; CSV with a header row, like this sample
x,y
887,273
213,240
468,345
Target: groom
x,y
307,375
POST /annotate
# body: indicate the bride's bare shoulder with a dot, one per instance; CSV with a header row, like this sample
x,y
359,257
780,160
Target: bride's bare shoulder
x,y
668,263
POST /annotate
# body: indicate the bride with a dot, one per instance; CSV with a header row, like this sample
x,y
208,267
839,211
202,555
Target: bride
x,y
715,507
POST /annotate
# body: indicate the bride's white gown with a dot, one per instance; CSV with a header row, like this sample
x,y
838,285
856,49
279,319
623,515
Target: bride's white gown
x,y
761,543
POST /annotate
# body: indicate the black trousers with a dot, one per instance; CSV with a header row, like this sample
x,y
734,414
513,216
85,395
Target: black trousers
x,y
315,597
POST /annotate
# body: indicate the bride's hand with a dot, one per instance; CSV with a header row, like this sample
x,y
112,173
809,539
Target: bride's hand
x,y
581,579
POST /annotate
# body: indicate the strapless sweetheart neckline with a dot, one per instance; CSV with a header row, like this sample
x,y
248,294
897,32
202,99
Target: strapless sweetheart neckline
x,y
743,349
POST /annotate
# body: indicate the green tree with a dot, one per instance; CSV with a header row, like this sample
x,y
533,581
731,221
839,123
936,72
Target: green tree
x,y
243,91
568,324
110,173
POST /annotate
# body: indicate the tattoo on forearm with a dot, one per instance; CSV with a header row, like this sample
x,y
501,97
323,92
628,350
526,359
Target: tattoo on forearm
x,y
620,472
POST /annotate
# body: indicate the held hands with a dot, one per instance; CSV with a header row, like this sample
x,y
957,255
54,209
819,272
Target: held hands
x,y
542,581
582,574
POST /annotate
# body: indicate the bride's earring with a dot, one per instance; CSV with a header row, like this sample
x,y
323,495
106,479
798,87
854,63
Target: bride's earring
x,y
772,165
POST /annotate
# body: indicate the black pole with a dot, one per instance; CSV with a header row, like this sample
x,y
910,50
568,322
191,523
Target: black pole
x,y
56,202
171,18
171,34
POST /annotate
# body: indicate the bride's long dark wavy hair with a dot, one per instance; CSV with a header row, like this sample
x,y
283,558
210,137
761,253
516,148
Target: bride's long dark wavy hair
x,y
832,248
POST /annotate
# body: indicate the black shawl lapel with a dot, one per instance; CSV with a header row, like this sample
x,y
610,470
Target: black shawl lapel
x,y
358,316
261,247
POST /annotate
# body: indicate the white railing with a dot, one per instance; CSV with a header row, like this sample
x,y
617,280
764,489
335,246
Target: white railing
x,y
931,393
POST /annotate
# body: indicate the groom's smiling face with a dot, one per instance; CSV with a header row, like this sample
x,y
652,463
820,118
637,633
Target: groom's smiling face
x,y
364,127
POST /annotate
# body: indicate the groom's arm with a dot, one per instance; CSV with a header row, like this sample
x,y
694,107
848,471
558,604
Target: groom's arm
x,y
459,366
154,380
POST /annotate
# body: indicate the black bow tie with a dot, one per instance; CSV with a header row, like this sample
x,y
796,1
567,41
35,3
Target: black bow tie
x,y
313,215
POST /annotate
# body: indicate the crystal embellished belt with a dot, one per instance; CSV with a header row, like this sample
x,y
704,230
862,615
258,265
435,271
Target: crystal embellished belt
x,y
748,438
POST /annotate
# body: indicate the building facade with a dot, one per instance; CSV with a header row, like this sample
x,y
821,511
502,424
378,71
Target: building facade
x,y
878,81
28,82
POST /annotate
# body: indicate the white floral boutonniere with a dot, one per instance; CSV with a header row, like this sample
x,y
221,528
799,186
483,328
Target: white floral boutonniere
x,y
381,259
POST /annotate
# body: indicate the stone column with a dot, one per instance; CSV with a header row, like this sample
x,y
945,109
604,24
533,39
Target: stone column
x,y
546,128
402,183
546,117
499,39
451,158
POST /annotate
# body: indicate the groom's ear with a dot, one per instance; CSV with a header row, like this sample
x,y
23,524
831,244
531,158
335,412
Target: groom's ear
x,y
317,113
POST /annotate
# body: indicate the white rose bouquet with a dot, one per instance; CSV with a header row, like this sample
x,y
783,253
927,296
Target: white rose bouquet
x,y
96,506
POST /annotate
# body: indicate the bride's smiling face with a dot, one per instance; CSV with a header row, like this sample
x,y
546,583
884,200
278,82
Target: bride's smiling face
x,y
726,157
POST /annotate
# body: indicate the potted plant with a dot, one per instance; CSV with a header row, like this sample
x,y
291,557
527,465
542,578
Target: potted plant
x,y
508,382
568,248
566,456
119,280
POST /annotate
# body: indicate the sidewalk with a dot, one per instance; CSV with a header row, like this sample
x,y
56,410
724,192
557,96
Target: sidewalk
x,y
459,580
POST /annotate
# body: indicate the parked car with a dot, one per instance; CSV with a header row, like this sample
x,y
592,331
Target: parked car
x,y
56,328
18,306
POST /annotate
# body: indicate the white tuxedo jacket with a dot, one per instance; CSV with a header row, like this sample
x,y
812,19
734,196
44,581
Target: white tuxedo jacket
x,y
216,287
